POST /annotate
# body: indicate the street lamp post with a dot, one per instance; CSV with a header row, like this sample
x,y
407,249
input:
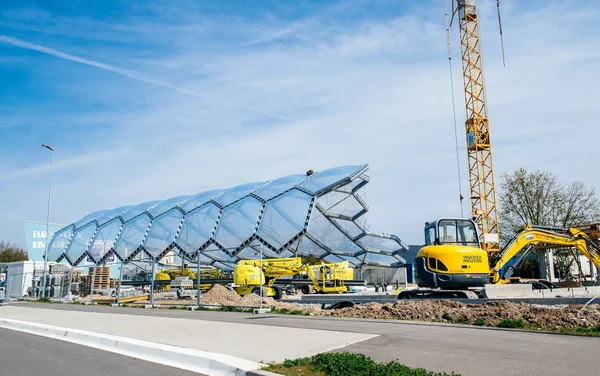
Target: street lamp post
x,y
261,279
47,221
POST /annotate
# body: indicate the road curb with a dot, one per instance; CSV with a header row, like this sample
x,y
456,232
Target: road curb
x,y
262,373
189,359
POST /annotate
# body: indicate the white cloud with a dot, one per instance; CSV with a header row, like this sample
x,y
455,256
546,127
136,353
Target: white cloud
x,y
376,92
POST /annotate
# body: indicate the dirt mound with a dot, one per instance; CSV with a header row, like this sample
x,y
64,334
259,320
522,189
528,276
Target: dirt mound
x,y
220,295
489,314
253,300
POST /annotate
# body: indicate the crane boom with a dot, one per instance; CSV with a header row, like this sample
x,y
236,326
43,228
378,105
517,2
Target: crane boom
x,y
479,146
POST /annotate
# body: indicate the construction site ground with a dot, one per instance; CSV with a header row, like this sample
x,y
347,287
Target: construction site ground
x,y
569,318
468,350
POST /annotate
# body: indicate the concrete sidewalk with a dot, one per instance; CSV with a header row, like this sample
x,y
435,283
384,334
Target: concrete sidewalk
x,y
255,342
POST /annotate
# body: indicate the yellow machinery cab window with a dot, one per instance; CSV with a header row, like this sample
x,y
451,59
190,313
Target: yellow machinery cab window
x,y
458,232
432,263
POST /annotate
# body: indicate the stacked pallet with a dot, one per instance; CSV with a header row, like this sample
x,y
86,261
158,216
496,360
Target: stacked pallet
x,y
76,275
101,275
114,283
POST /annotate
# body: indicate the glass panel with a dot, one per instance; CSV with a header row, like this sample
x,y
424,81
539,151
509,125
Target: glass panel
x,y
447,230
430,235
205,260
284,218
352,260
224,265
325,232
333,259
137,210
236,193
132,236
249,253
112,214
350,227
166,205
349,206
238,223
381,260
162,232
287,254
310,248
217,255
59,243
461,231
199,199
105,239
380,244
349,188
467,234
253,252
90,217
324,180
275,187
79,242
198,228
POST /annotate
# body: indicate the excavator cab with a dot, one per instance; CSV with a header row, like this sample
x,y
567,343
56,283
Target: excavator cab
x,y
454,231
451,258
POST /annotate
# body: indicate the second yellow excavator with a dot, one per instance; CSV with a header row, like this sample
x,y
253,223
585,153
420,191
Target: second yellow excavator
x,y
453,260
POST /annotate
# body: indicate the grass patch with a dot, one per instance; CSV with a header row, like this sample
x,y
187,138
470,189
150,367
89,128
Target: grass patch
x,y
343,364
233,309
285,311
479,322
44,299
514,324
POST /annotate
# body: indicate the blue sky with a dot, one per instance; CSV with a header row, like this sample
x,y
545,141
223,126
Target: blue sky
x,y
147,100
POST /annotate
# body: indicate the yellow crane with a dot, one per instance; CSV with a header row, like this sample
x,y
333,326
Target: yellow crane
x,y
479,145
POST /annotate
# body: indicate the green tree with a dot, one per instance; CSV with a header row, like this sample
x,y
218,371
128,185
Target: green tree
x,y
11,253
539,198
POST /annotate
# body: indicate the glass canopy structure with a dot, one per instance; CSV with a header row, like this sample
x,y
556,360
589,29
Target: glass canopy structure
x,y
313,214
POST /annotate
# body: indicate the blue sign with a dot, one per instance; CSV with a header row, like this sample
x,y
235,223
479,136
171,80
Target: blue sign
x,y
471,140
35,235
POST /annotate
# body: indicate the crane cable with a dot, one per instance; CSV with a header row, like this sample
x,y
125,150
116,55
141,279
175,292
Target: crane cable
x,y
501,37
461,197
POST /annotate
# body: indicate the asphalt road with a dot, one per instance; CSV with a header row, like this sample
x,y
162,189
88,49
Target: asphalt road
x,y
467,350
24,354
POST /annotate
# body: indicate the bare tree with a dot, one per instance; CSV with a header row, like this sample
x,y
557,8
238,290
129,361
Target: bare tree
x,y
11,253
538,198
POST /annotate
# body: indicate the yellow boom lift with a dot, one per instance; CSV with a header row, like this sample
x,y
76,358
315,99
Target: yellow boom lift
x,y
248,277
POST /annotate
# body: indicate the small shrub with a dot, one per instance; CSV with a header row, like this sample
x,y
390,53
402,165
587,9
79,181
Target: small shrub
x,y
479,322
509,323
44,299
346,364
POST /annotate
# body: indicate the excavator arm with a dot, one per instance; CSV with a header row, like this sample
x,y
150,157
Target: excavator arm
x,y
535,236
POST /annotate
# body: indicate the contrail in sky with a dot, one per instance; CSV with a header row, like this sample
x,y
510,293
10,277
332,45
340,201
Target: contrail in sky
x,y
123,72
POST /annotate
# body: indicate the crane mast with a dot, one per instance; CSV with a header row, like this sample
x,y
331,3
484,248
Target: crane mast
x,y
479,147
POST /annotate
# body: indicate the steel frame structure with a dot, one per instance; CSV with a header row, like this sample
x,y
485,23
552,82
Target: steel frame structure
x,y
285,217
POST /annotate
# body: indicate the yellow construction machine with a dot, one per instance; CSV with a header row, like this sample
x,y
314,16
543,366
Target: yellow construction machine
x,y
208,277
248,278
453,260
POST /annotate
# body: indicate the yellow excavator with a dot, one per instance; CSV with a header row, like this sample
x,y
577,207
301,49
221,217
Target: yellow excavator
x,y
248,278
453,260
